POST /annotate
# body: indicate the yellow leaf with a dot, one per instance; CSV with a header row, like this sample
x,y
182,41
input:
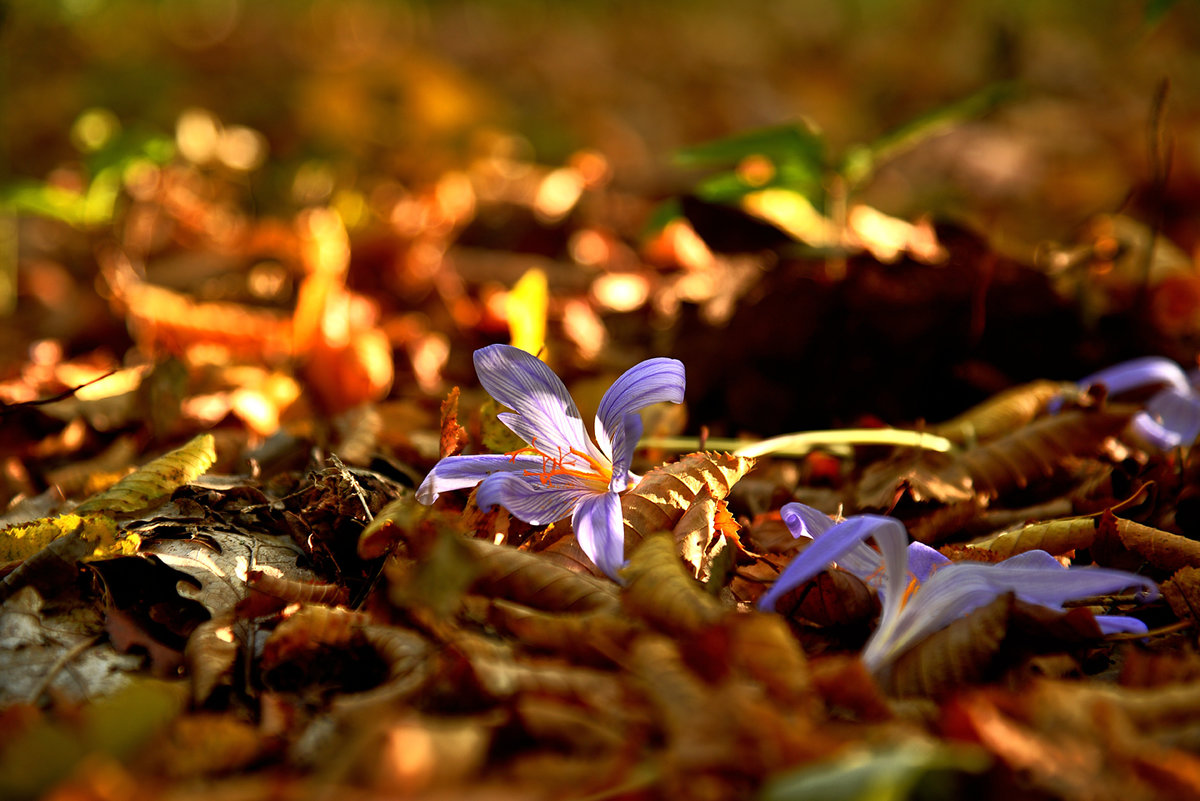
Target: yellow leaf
x,y
21,542
526,310
793,213
158,478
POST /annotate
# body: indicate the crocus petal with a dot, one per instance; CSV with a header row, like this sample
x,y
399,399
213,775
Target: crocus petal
x,y
526,498
835,543
1120,624
1150,432
805,521
1138,373
651,381
943,598
1038,559
459,472
962,587
631,433
601,532
1178,412
923,560
1053,585
524,383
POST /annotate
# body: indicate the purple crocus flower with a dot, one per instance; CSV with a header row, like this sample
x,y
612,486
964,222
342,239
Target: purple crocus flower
x,y
846,539
1137,373
1171,417
924,595
561,471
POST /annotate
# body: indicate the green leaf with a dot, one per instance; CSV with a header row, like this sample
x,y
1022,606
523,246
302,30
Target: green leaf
x,y
781,143
789,157
916,770
861,161
1155,10
44,200
107,166
665,212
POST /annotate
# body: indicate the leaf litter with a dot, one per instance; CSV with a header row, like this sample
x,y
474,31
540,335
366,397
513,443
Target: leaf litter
x,y
218,580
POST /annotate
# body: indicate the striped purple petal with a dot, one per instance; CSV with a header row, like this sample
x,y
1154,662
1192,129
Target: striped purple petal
x,y
838,541
618,426
528,499
600,529
460,472
524,383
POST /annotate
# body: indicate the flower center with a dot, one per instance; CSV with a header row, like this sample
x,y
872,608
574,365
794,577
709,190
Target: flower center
x,y
570,463
914,583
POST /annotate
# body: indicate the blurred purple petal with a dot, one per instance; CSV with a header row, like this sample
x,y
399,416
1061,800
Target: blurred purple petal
x,y
1178,412
1140,373
923,560
1120,624
1153,433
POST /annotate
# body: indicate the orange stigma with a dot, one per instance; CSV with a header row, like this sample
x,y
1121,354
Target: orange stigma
x,y
590,468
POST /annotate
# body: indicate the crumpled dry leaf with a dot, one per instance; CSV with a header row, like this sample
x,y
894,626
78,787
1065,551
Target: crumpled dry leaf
x,y
667,494
660,590
973,648
1033,453
58,651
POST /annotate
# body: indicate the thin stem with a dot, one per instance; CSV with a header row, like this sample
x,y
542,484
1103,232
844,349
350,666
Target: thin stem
x,y
801,443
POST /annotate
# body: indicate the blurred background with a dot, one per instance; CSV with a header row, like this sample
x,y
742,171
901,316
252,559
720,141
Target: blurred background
x,y
341,96
445,137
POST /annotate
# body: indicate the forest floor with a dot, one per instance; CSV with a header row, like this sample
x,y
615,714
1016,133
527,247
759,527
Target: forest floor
x,y
251,255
